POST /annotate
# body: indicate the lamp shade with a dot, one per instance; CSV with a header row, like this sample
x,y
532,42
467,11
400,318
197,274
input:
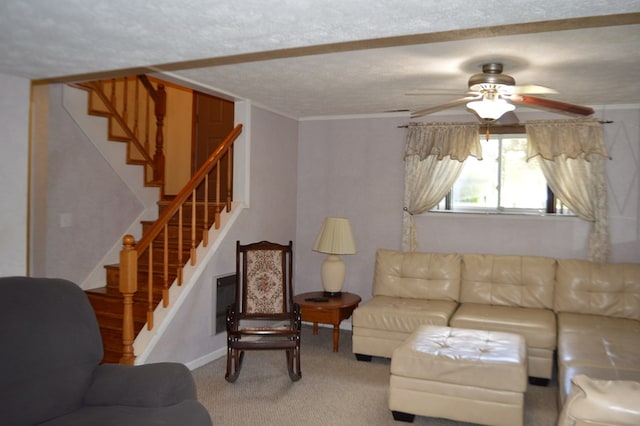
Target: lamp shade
x,y
491,109
335,237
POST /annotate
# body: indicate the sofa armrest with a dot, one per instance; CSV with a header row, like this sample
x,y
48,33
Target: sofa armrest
x,y
601,402
151,385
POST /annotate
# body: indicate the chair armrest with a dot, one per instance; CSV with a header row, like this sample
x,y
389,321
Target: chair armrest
x,y
150,385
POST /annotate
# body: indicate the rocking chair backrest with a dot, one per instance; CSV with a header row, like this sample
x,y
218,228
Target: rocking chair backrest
x,y
264,272
263,315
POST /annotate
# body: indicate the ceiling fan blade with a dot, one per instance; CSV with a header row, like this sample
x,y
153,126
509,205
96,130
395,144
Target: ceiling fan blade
x,y
533,89
549,104
432,92
446,105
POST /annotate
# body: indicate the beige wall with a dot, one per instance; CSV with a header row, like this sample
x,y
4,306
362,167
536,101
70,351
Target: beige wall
x,y
88,206
14,170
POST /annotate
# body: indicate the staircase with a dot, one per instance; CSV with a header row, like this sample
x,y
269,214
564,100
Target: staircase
x,y
147,269
108,301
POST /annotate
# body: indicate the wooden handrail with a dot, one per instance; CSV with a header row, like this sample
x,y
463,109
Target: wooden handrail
x,y
187,191
132,254
95,86
147,85
152,157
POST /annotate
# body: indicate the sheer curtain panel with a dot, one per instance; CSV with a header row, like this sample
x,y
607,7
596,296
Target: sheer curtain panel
x,y
434,156
572,154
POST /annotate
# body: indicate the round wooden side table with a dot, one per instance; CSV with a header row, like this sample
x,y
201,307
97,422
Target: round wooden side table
x,y
317,308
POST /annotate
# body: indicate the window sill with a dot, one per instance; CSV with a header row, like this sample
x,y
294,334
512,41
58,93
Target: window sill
x,y
525,213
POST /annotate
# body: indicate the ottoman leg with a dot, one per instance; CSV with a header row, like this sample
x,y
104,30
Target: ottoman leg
x,y
402,417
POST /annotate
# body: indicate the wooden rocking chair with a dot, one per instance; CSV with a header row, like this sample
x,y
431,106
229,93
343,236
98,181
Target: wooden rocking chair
x,y
263,316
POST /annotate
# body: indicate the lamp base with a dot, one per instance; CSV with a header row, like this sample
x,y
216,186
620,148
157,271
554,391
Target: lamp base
x,y
332,294
332,275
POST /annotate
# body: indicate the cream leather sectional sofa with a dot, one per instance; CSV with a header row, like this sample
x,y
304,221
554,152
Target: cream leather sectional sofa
x,y
586,313
598,312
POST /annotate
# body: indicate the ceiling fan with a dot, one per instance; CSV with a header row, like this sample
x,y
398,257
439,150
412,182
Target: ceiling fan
x,y
492,94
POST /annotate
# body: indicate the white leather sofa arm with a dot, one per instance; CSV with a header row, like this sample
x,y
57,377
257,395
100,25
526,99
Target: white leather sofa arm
x,y
601,402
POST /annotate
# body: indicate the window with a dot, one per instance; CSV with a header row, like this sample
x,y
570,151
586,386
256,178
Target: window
x,y
503,181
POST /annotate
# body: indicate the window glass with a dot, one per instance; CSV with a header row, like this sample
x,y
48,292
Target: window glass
x,y
477,185
502,181
522,183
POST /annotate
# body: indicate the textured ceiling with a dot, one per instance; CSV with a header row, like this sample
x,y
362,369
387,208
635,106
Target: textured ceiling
x,y
306,58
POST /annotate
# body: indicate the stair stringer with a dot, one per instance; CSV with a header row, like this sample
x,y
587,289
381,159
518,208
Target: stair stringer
x,y
76,101
147,340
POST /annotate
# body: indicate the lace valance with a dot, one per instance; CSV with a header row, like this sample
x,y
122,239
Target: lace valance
x,y
455,140
577,138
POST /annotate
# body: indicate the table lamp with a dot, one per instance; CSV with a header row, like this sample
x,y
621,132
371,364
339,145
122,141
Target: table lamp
x,y
335,238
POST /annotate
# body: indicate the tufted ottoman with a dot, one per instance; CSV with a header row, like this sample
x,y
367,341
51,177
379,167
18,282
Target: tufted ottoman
x,y
466,375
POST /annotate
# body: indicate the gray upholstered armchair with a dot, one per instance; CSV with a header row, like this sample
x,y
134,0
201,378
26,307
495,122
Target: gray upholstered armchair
x,y
50,370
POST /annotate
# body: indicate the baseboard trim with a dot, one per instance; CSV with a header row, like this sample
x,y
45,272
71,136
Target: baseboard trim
x,y
206,359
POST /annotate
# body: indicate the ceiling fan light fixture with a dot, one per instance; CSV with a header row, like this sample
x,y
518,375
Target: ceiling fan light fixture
x,y
490,110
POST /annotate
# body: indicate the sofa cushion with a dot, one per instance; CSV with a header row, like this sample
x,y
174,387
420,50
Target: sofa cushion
x,y
189,412
607,289
601,347
434,276
525,281
598,324
402,314
159,384
538,326
598,341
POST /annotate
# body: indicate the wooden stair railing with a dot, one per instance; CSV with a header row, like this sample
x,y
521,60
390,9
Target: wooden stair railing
x,y
129,103
139,260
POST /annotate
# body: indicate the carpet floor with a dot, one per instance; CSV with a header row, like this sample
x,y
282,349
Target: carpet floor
x,y
335,389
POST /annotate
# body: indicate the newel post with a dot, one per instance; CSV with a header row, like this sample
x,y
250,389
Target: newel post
x,y
128,287
158,157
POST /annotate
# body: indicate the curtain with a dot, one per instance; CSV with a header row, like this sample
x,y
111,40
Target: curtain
x,y
572,154
434,156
